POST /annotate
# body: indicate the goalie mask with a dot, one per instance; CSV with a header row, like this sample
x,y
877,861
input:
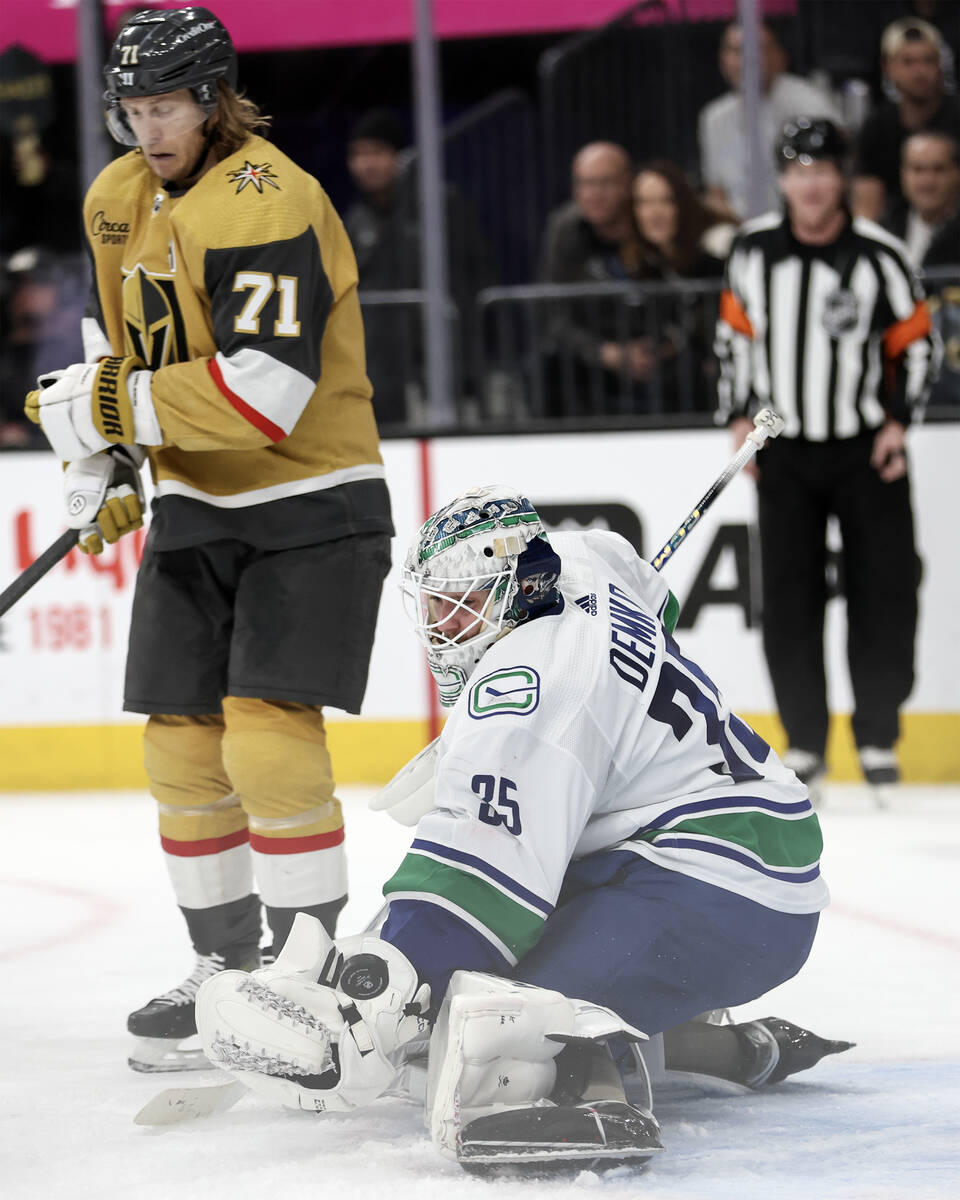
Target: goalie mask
x,y
479,567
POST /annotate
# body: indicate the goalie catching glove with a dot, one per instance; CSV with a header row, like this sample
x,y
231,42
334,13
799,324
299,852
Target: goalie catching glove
x,y
315,1030
90,406
103,495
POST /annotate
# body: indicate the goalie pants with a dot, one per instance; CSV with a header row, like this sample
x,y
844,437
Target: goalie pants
x,y
801,484
233,652
659,947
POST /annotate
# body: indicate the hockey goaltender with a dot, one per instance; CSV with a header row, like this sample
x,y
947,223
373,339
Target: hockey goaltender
x,y
593,822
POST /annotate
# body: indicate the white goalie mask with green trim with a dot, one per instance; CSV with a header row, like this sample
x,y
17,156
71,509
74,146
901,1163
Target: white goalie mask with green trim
x,y
477,568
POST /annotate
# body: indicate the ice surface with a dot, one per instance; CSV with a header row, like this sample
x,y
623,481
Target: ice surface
x,y
90,932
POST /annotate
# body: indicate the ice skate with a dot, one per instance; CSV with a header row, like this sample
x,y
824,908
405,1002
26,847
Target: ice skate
x,y
778,1048
810,769
164,1023
881,772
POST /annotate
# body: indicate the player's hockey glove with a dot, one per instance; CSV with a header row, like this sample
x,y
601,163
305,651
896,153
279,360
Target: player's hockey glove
x,y
103,495
90,406
316,1029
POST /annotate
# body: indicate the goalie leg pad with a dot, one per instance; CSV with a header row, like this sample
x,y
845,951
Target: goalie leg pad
x,y
494,1046
602,1133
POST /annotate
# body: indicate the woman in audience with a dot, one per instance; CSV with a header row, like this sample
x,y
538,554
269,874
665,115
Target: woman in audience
x,y
677,238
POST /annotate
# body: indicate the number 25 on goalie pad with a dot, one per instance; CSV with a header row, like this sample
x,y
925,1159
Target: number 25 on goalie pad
x,y
493,1049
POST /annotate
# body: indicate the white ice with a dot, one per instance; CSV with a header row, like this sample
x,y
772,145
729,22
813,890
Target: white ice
x,y
90,932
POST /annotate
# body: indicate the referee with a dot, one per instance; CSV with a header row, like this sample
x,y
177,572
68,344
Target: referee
x,y
822,319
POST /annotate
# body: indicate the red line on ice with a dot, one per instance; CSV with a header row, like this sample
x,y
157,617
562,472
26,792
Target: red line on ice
x,y
102,912
911,931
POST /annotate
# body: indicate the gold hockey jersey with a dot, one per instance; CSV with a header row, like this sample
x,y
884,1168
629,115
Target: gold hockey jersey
x,y
240,294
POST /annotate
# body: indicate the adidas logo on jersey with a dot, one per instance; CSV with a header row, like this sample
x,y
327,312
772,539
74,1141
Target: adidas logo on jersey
x,y
588,603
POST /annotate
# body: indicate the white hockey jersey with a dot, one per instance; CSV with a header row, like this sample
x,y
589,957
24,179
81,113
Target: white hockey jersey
x,y
588,730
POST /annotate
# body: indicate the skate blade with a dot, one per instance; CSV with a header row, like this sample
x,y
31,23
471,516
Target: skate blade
x,y
881,794
157,1055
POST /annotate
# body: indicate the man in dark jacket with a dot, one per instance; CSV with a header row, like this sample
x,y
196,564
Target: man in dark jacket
x,y
384,226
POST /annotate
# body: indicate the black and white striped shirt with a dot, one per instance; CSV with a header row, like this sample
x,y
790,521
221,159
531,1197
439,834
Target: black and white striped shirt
x,y
836,338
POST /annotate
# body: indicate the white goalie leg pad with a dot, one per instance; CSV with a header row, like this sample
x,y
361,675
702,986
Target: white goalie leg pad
x,y
409,794
314,1030
493,1049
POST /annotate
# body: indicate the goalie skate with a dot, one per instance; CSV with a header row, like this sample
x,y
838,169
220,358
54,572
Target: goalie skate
x,y
590,1136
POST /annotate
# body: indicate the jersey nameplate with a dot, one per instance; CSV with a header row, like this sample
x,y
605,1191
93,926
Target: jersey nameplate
x,y
512,690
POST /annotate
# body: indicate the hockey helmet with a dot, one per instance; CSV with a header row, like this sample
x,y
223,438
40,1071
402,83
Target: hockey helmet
x,y
164,51
807,139
480,566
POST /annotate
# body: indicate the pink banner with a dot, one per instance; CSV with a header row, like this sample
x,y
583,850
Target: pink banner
x,y
46,27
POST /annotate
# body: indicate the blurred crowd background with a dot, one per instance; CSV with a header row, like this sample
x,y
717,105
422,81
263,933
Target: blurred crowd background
x,y
593,180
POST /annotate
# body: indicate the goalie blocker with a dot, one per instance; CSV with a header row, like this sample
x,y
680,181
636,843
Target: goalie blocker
x,y
516,1074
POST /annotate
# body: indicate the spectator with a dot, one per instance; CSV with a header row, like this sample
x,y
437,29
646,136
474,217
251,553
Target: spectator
x,y
43,302
928,221
822,319
913,54
725,164
384,227
672,244
591,239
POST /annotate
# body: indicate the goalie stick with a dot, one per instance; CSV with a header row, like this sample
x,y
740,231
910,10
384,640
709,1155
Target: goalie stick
x,y
766,424
38,568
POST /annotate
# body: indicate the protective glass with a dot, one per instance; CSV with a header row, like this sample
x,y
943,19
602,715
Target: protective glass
x,y
138,120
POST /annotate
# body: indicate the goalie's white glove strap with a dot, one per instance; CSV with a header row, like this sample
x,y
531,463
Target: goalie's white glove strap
x,y
409,794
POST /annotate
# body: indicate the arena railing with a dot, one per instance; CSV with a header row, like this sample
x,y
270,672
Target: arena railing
x,y
529,361
632,81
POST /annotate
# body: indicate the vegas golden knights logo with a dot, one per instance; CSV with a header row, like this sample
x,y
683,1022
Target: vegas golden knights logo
x,y
152,322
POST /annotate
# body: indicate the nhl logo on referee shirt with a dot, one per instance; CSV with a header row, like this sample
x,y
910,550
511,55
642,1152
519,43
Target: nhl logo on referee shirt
x,y
841,310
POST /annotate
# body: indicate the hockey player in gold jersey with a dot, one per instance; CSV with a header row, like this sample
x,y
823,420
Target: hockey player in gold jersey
x,y
225,339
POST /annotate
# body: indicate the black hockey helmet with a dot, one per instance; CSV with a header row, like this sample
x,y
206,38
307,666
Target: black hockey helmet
x,y
163,51
807,139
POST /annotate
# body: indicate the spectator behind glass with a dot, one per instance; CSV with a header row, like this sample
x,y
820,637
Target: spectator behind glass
x,y
590,239
43,302
725,165
384,226
928,220
671,225
914,56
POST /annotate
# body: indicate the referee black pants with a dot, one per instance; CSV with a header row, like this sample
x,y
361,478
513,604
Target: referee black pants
x,y
801,484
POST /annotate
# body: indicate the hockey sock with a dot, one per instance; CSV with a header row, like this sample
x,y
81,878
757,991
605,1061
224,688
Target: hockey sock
x,y
716,1050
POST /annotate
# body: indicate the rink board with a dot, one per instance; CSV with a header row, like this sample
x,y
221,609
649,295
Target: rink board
x,y
62,646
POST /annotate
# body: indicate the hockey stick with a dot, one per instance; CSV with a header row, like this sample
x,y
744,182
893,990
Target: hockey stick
x,y
38,568
766,424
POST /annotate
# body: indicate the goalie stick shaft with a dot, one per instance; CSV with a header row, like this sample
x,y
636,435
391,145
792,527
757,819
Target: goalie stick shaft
x,y
38,568
767,424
